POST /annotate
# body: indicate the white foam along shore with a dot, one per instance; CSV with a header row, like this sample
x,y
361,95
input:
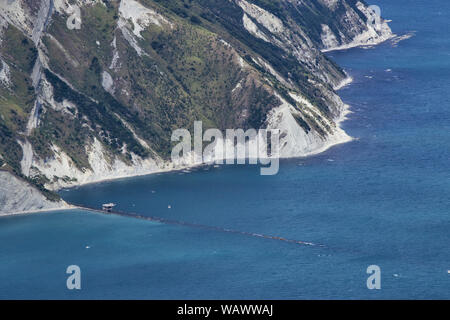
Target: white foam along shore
x,y
367,39
348,80
357,44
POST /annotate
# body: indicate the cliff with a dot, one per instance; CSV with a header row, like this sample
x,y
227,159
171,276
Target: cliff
x,y
91,90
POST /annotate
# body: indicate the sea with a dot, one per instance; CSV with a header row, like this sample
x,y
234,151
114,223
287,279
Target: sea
x,y
310,232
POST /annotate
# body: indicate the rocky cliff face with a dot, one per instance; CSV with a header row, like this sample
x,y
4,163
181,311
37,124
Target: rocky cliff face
x,y
17,196
92,89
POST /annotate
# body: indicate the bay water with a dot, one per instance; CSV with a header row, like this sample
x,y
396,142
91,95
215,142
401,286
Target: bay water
x,y
382,200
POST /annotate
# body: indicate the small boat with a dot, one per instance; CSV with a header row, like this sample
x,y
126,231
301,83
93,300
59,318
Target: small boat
x,y
108,207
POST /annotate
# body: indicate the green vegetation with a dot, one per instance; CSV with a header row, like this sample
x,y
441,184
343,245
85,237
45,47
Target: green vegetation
x,y
86,52
10,150
186,74
18,50
16,100
71,134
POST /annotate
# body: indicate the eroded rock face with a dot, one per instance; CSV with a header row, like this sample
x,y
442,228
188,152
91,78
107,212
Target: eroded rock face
x,y
362,27
18,196
91,90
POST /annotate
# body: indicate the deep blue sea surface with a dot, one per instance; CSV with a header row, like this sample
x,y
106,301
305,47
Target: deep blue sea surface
x,y
383,199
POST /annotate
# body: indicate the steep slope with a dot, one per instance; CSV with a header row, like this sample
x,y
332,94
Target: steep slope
x,y
17,196
91,90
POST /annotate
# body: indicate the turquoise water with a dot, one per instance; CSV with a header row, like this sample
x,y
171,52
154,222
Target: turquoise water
x,y
382,199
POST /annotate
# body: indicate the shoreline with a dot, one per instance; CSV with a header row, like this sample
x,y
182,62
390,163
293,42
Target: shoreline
x,y
343,116
29,212
360,44
134,175
67,207
348,80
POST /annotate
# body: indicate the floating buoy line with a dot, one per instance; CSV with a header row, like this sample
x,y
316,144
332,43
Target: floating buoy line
x,y
195,225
